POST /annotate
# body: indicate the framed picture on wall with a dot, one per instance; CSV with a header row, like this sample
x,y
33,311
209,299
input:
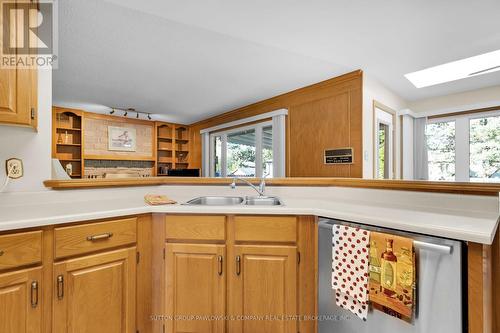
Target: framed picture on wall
x,y
122,138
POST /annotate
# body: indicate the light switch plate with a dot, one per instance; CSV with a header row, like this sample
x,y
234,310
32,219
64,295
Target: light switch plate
x,y
14,168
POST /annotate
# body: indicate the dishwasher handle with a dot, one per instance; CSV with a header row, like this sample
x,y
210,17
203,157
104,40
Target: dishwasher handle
x,y
439,248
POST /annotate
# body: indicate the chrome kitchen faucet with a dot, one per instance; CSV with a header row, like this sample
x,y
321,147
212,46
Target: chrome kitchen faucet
x,y
261,189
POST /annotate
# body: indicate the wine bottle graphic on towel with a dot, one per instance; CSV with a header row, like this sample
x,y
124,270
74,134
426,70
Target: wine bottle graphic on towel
x,y
388,262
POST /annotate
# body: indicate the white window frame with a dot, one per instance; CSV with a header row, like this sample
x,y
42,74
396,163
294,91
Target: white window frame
x,y
384,115
279,142
258,147
462,140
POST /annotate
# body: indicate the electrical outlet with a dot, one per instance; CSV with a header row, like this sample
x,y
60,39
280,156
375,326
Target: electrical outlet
x,y
14,168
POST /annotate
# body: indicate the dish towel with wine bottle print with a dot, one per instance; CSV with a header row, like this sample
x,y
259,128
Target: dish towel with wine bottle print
x,y
350,268
392,275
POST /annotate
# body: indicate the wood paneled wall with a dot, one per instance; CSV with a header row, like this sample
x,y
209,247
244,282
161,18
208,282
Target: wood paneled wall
x,y
321,116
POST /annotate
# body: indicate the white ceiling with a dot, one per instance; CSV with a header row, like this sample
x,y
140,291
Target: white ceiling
x,y
190,59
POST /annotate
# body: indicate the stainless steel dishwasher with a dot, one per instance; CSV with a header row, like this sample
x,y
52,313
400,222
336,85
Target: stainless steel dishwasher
x,y
439,296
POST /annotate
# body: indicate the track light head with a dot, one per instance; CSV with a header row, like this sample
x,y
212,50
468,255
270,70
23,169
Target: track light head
x,y
131,111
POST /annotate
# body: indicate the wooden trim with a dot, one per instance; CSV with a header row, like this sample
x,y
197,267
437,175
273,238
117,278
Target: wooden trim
x,y
402,185
47,271
463,113
308,272
479,288
158,268
119,119
495,257
145,288
119,158
378,105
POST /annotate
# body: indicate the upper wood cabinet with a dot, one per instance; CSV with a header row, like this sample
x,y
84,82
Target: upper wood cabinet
x,y
195,286
96,293
18,93
20,301
263,286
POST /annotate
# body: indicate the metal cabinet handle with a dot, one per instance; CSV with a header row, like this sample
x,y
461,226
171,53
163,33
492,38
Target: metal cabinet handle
x,y
443,249
60,287
100,237
34,294
238,265
220,260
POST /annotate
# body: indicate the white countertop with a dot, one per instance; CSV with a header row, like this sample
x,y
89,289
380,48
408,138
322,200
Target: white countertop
x,y
462,217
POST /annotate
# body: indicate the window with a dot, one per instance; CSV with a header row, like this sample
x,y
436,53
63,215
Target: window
x,y
249,147
243,152
267,152
383,151
465,148
484,145
384,120
441,150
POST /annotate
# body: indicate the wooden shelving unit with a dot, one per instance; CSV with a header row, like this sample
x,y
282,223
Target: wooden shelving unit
x,y
172,147
181,147
67,141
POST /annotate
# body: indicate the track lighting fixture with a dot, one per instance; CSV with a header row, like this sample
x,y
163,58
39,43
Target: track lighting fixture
x,y
126,111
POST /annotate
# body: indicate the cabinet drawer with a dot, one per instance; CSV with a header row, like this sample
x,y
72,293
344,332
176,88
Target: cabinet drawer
x,y
277,229
195,227
20,249
91,237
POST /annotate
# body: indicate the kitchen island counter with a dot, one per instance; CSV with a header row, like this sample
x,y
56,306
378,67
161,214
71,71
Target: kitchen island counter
x,y
455,216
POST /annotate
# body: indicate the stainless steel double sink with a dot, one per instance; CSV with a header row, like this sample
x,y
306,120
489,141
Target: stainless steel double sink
x,y
234,201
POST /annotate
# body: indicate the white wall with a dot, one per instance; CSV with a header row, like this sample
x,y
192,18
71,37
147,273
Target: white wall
x,y
375,91
407,142
469,100
34,148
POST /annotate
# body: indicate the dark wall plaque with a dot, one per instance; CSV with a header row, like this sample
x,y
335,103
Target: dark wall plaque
x,y
339,156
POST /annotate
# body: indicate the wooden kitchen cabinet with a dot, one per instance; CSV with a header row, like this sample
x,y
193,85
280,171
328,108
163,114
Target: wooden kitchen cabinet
x,y
263,281
195,286
96,293
20,301
262,284
18,93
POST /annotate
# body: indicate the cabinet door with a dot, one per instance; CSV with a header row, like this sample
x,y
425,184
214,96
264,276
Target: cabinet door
x,y
20,306
96,293
17,90
195,286
263,289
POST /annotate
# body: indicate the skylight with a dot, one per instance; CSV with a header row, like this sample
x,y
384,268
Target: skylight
x,y
456,70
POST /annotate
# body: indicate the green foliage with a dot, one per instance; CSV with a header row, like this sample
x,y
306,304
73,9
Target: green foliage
x,y
484,145
441,150
381,152
485,148
239,157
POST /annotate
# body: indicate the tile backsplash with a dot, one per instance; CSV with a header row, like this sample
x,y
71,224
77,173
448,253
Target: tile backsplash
x,y
99,168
